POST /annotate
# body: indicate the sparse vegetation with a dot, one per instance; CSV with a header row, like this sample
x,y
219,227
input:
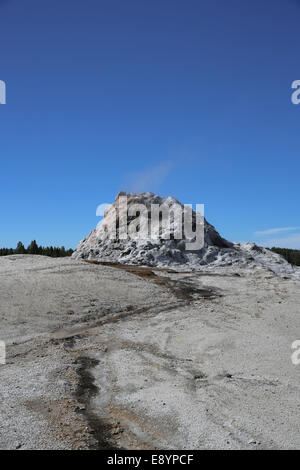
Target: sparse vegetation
x,y
34,249
292,256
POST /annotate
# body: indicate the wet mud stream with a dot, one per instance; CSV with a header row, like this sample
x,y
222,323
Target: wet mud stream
x,y
182,289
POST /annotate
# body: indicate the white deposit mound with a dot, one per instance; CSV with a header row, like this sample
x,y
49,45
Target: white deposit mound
x,y
104,243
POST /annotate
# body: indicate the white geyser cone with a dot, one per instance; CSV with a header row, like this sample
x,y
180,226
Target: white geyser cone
x,y
112,241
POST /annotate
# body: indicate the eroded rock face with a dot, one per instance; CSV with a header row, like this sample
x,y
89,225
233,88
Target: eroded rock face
x,y
105,242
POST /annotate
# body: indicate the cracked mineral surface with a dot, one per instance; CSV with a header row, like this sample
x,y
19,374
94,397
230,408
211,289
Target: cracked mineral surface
x,y
109,356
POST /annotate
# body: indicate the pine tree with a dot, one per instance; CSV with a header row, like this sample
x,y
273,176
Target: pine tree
x,y
20,250
33,248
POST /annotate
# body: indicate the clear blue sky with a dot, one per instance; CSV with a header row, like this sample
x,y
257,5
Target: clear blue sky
x,y
190,98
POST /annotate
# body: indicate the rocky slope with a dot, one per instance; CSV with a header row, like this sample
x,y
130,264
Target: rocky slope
x,y
216,252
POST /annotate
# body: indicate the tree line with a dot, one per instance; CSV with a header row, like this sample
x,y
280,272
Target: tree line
x,y
34,249
292,256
